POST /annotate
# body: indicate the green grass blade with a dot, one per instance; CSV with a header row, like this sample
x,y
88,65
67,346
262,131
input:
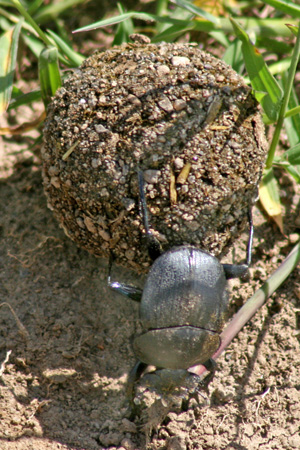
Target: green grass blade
x,y
292,112
75,58
280,66
293,29
49,74
294,171
25,99
33,42
116,20
55,10
286,6
195,10
34,6
261,78
131,15
171,33
285,101
8,56
263,27
292,155
124,29
234,56
292,123
17,4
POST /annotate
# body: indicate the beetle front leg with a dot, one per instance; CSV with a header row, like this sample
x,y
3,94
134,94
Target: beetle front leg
x,y
127,290
154,247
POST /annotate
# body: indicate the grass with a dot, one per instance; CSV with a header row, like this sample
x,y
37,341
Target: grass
x,y
260,40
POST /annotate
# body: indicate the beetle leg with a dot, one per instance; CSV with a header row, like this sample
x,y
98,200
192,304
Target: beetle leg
x,y
154,247
235,270
134,375
132,292
241,270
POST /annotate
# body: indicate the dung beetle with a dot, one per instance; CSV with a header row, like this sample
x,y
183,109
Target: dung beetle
x,y
183,304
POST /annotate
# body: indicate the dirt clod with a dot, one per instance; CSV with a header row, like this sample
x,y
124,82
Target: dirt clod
x,y
185,118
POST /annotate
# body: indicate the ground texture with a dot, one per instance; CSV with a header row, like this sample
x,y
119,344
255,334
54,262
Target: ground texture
x,y
65,347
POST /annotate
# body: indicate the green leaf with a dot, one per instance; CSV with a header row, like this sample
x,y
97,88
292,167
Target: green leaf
x,y
55,9
29,20
293,29
292,123
25,99
259,74
280,66
34,6
75,58
286,6
34,43
259,95
117,19
234,56
124,29
49,74
197,11
292,112
292,155
294,171
8,56
169,34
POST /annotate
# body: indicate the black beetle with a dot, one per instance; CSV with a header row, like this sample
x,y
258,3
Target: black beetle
x,y
183,304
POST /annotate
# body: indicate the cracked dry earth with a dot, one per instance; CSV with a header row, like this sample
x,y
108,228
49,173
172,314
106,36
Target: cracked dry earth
x,y
66,339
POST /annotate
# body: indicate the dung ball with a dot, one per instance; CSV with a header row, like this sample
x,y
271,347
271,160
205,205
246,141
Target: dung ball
x,y
186,119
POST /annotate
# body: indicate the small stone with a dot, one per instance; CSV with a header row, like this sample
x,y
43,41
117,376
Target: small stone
x,y
90,224
152,176
55,182
128,444
178,163
95,163
179,105
101,129
294,441
128,203
162,70
129,254
128,426
293,238
109,439
180,61
140,38
166,105
176,443
134,100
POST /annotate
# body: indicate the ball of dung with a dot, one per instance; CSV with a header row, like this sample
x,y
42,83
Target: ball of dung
x,y
184,118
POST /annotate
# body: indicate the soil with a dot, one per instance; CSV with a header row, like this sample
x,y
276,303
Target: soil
x,y
65,339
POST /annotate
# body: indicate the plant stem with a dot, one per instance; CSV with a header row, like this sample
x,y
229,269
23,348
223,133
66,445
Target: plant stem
x,y
285,101
30,20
